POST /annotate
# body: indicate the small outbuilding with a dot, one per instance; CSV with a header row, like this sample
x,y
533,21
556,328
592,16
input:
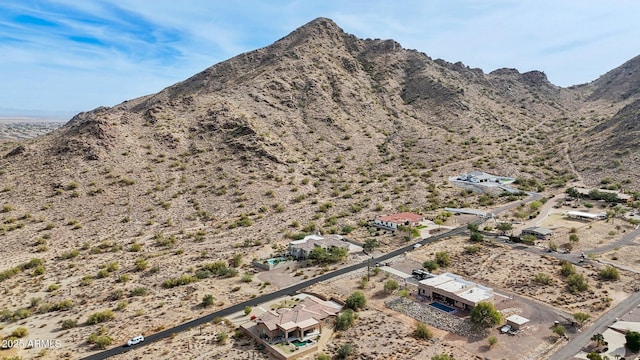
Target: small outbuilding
x,y
516,321
539,232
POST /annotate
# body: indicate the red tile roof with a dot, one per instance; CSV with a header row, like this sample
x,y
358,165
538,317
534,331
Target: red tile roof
x,y
402,217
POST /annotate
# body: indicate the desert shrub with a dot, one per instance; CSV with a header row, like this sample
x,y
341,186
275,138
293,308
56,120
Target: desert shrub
x,y
135,247
390,286
430,265
68,324
99,317
222,337
102,274
345,350
247,278
86,280
567,268
356,301
20,332
542,278
442,259
493,340
113,266
116,295
442,357
476,236
99,342
139,291
609,273
141,264
63,305
471,249
345,320
21,314
182,280
422,331
208,300
576,283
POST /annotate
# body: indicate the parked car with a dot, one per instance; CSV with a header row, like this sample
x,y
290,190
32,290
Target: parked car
x,y
505,329
136,340
415,246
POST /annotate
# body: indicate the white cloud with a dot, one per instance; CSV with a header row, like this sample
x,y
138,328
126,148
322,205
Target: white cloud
x,y
129,48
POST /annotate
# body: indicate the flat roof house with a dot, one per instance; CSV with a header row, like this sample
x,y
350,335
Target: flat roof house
x,y
395,220
453,290
539,232
300,249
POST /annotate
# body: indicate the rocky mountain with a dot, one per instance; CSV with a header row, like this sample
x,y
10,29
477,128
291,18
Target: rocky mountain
x,y
320,131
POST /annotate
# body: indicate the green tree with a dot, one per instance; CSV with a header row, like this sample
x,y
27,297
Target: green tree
x,y
370,244
572,192
598,339
559,330
476,236
528,239
442,259
472,227
596,356
633,340
503,227
247,310
422,331
390,286
356,301
574,238
581,317
485,315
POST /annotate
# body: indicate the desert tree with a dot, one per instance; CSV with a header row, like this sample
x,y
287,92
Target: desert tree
x,y
485,315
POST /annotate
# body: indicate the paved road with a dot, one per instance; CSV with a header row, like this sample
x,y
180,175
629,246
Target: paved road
x,y
569,350
272,296
297,287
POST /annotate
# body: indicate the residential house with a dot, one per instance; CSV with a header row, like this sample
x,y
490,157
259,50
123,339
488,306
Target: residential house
x,y
455,291
399,219
301,322
300,249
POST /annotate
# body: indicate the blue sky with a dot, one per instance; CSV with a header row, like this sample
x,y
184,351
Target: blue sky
x,y
61,57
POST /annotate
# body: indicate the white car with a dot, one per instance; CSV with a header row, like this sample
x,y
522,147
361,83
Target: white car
x,y
415,246
136,340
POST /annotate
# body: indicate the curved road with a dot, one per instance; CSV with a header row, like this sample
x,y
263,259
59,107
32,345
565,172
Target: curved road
x,y
294,288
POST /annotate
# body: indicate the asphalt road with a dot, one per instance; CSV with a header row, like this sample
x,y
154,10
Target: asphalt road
x,y
569,350
294,288
269,297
